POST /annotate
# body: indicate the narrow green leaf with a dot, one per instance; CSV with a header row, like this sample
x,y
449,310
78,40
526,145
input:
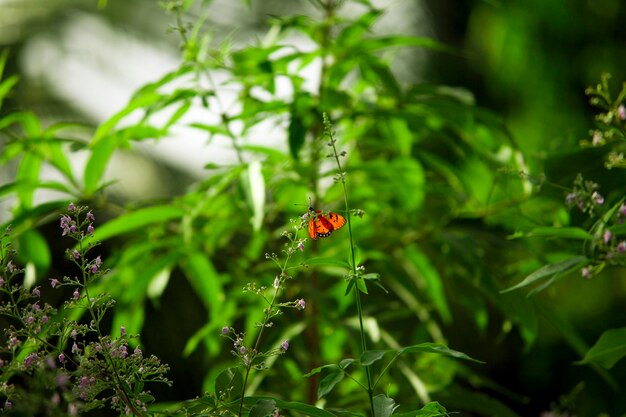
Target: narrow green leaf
x,y
297,134
262,408
371,356
32,247
324,261
134,220
229,381
384,406
104,130
6,86
385,42
300,408
548,270
432,409
101,153
206,282
430,276
560,232
437,348
608,350
328,383
28,172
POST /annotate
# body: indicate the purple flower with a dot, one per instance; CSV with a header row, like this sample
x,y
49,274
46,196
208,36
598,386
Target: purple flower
x,y
8,405
54,282
586,272
66,224
621,112
61,357
242,350
76,254
276,282
124,351
90,229
225,330
11,267
71,208
13,341
73,228
75,348
76,294
83,382
596,138
1,281
300,246
30,320
44,319
123,330
36,292
137,351
89,216
30,359
569,199
621,246
285,345
300,304
245,360
73,334
597,198
607,236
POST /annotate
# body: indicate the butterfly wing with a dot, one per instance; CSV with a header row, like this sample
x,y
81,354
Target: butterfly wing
x,y
322,226
337,220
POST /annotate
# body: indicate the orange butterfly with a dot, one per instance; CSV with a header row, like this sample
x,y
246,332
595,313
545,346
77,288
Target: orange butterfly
x,y
321,225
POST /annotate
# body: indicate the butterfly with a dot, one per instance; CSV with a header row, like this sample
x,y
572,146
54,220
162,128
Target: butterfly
x,y
321,225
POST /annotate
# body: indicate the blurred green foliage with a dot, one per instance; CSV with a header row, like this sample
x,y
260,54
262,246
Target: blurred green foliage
x,y
460,204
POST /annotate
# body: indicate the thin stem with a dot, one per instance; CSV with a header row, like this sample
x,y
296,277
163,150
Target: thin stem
x,y
357,292
268,315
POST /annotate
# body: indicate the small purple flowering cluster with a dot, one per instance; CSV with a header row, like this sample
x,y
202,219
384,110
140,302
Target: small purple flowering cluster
x,y
612,248
611,122
90,369
585,196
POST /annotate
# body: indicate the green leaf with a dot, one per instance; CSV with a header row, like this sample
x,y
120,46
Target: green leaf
x,y
327,261
437,348
328,383
104,131
384,406
206,282
134,220
560,232
32,247
300,408
430,276
374,44
432,409
6,86
227,379
262,408
297,134
551,269
28,172
101,153
608,350
371,356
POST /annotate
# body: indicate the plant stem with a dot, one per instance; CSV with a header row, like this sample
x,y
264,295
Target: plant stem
x,y
357,292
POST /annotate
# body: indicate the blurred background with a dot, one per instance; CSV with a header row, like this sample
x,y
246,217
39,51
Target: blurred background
x,y
526,61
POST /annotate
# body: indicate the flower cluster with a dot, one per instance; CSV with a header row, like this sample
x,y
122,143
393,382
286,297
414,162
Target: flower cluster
x,y
87,368
611,121
585,196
